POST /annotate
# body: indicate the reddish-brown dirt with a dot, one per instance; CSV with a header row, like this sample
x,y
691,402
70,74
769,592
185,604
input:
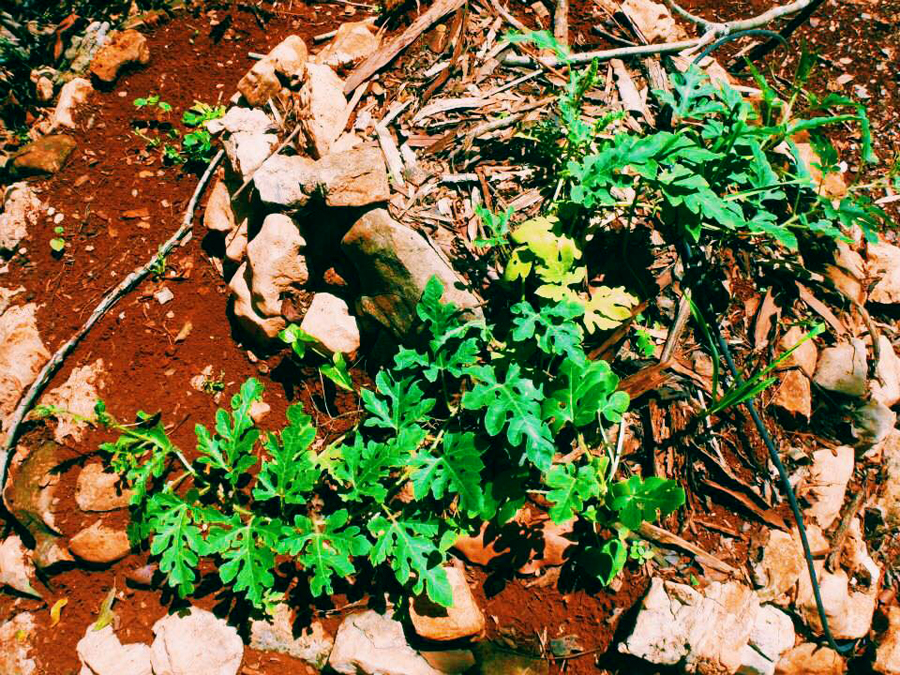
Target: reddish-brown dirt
x,y
148,370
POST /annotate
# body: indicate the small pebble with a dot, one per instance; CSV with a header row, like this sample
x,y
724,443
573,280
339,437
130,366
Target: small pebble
x,y
58,218
164,295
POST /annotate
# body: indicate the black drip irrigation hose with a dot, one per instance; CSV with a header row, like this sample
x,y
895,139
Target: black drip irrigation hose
x,y
737,35
782,474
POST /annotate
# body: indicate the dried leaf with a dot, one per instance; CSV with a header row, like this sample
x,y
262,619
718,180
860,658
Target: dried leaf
x,y
56,611
184,332
106,614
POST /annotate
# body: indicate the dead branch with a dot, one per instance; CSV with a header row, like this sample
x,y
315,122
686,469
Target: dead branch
x,y
561,22
712,30
833,560
720,29
601,55
666,538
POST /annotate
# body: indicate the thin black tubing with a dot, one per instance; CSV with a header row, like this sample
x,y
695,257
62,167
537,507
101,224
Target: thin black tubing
x,y
782,474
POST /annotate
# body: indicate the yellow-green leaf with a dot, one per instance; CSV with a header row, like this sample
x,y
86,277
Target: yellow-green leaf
x,y
106,614
56,611
607,308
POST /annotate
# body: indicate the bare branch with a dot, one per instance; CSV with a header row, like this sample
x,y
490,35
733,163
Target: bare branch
x,y
720,29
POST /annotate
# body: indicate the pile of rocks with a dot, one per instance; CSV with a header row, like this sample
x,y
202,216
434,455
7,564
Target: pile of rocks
x,y
304,233
199,643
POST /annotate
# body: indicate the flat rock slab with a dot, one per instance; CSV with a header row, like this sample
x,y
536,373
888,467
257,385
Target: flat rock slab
x,y
45,156
100,543
125,49
371,643
463,619
312,645
198,643
101,653
357,177
394,264
97,490
16,637
842,368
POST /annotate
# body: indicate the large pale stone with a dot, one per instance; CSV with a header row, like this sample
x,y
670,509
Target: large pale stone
x,y
198,643
236,243
394,264
804,357
312,645
872,422
842,368
16,566
811,659
323,108
244,120
100,544
101,653
849,611
124,49
434,622
283,66
884,265
247,151
328,320
98,490
16,636
286,181
654,20
276,263
886,385
72,96
21,209
78,395
889,501
371,643
219,216
828,477
261,328
353,42
22,354
723,630
356,177
43,157
780,567
260,83
794,394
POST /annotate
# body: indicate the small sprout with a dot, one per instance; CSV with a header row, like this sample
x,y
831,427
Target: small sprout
x,y
213,386
58,243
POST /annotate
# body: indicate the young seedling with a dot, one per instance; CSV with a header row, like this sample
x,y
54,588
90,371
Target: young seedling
x,y
335,366
58,243
152,101
197,144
